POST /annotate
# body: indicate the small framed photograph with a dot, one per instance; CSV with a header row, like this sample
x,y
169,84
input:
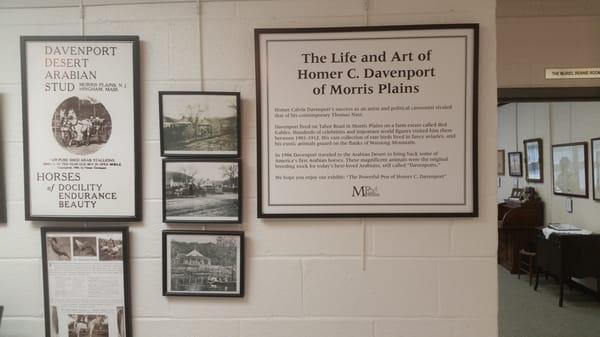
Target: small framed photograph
x,y
86,281
203,263
570,169
515,164
199,123
534,160
500,162
596,168
202,191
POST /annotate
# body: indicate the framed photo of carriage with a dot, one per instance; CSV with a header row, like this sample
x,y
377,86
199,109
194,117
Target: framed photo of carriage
x,y
86,281
202,191
81,128
203,263
199,123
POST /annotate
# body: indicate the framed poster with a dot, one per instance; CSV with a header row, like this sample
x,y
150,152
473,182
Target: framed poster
x,y
570,169
500,162
534,160
596,168
515,164
81,127
199,123
203,263
202,191
367,121
86,281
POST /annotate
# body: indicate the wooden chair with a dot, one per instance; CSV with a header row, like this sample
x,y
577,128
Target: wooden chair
x,y
526,264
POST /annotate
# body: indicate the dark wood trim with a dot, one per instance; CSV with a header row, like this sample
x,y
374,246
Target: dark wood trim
x,y
521,95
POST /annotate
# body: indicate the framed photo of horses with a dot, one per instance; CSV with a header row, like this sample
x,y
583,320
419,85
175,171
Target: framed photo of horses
x,y
86,281
81,128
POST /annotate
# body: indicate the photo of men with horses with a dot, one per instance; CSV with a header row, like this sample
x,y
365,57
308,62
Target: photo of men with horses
x,y
81,125
88,326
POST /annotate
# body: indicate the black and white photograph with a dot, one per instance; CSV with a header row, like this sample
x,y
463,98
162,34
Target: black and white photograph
x,y
199,124
534,160
58,248
569,169
596,168
84,246
515,164
110,249
201,263
201,191
88,325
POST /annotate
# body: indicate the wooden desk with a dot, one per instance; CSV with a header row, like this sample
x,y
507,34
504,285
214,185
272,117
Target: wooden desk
x,y
566,256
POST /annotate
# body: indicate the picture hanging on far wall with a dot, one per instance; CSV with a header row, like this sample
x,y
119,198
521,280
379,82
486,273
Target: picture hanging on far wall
x,y
86,281
203,263
199,123
500,162
596,168
515,164
202,191
81,127
570,169
534,160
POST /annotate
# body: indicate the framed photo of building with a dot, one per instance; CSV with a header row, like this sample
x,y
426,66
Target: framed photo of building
x,y
202,191
534,160
203,263
81,128
86,281
515,164
367,121
596,168
500,162
570,169
199,123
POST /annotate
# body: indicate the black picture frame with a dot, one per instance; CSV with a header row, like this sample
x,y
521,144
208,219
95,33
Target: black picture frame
x,y
539,164
501,162
595,168
564,177
135,132
166,263
202,191
472,147
199,154
124,232
515,171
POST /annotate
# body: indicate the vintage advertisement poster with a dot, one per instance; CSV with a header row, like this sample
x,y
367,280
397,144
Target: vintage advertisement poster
x,y
86,282
80,107
368,121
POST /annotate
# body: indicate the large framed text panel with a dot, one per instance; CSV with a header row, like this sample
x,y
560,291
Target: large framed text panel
x,y
367,121
81,127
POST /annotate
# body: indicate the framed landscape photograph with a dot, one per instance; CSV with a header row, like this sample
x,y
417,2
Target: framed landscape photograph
x,y
202,191
596,168
534,160
199,123
500,162
86,281
203,263
570,169
81,128
515,164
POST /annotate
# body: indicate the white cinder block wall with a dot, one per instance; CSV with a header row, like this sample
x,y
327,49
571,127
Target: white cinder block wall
x,y
423,277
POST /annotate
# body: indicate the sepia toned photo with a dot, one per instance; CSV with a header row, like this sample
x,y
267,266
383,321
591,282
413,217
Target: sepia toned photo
x,y
596,168
534,164
201,191
58,248
203,263
88,326
110,249
199,123
500,162
84,246
515,164
569,169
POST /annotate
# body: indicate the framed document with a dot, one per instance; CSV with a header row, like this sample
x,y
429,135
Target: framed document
x,y
203,263
86,281
199,123
570,169
596,168
515,164
500,162
367,121
534,160
81,127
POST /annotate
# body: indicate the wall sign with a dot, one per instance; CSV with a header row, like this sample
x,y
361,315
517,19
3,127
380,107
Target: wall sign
x,y
86,281
367,121
80,127
571,73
